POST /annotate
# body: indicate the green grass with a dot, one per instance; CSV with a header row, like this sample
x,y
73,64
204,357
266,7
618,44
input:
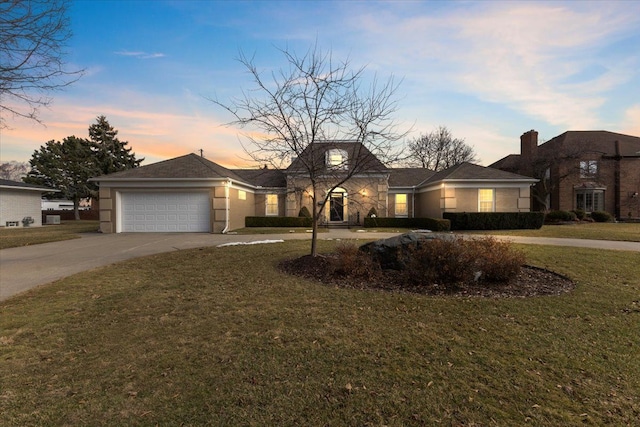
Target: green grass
x,y
15,237
218,336
596,231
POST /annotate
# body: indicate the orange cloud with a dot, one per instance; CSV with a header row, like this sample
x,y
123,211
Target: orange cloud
x,y
153,135
631,125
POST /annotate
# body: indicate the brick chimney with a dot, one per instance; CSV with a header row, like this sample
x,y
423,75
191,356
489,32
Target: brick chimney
x,y
528,145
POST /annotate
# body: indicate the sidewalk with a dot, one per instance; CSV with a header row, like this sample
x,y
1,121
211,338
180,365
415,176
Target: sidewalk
x,y
579,243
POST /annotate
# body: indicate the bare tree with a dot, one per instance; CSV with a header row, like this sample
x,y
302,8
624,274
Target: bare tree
x,y
33,35
551,168
13,170
295,111
439,150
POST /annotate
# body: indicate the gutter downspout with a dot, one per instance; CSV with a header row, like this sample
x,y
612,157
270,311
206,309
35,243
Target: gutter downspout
x,y
226,197
617,183
413,202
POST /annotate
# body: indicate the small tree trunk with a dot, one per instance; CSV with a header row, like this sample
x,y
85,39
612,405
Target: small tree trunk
x,y
76,208
314,227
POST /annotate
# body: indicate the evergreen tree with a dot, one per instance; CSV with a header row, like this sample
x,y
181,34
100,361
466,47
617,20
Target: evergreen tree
x,y
111,154
68,165
65,166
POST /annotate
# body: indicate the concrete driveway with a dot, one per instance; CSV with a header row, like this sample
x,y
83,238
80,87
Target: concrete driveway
x,y
30,266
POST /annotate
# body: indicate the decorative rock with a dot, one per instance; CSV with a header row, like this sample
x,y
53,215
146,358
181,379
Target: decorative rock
x,y
386,251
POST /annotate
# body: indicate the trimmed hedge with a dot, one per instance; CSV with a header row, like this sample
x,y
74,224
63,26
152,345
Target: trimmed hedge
x,y
494,220
559,216
601,216
432,224
277,221
304,211
580,214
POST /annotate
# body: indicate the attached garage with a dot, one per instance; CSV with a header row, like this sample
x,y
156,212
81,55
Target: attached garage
x,y
153,212
187,194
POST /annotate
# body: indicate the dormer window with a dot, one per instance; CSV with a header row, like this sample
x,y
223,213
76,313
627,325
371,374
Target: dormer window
x,y
337,159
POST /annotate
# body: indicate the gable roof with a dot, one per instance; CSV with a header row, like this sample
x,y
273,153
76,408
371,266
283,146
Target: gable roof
x,y
469,172
313,157
190,166
408,177
16,185
262,177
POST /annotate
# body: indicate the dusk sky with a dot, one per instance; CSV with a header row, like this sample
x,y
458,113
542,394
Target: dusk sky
x,y
488,71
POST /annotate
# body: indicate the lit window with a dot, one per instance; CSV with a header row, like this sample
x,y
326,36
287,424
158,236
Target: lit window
x,y
486,200
588,169
590,200
272,204
401,205
242,195
337,159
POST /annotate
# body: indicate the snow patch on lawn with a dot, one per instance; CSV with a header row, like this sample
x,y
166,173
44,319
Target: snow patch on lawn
x,y
257,242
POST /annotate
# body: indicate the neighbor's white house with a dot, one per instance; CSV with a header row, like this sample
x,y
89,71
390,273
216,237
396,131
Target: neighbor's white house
x,y
20,204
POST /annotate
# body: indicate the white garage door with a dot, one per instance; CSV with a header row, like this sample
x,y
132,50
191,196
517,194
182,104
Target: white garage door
x,y
165,212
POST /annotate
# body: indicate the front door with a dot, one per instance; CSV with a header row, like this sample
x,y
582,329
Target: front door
x,y
336,207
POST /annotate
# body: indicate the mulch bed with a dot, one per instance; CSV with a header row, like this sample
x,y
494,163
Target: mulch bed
x,y
531,281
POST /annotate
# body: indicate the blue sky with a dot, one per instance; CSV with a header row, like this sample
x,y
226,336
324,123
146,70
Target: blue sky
x,y
489,71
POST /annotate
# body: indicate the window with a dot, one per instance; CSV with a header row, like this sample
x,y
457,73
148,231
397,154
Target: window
x,y
242,195
401,205
590,200
486,200
588,169
337,159
272,204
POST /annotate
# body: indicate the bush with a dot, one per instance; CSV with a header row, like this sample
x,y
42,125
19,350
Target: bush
x,y
304,212
559,216
439,262
352,262
497,260
276,221
432,224
580,214
601,216
450,262
494,220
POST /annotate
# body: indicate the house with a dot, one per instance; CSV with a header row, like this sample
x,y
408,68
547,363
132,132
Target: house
x,y
193,194
587,170
64,204
20,204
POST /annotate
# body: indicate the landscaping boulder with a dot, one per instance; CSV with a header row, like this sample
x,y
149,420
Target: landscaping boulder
x,y
387,251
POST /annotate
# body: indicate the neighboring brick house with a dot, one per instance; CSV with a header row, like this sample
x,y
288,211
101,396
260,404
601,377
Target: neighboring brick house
x,y
193,194
587,170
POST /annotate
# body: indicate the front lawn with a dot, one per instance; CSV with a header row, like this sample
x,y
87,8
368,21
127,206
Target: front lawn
x,y
621,231
25,236
219,336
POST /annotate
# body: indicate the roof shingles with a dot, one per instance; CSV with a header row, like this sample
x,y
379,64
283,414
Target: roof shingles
x,y
190,166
